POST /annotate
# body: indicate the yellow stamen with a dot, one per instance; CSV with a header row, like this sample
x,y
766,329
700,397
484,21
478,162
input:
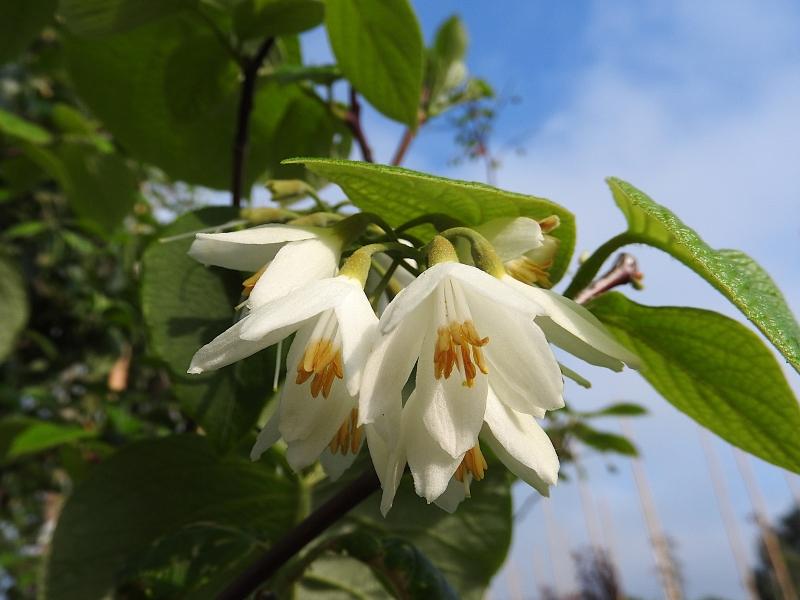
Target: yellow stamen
x,y
249,283
473,464
527,271
458,345
323,360
348,437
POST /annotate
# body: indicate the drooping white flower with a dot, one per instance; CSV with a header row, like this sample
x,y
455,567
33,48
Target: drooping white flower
x,y
476,348
282,257
336,328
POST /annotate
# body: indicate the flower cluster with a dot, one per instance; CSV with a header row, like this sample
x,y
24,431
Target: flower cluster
x,y
459,360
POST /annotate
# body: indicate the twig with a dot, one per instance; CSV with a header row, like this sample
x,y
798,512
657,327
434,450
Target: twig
x,y
296,539
624,271
250,69
353,120
402,148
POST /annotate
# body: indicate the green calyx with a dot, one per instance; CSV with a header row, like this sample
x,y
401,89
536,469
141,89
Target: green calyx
x,y
441,250
483,253
358,264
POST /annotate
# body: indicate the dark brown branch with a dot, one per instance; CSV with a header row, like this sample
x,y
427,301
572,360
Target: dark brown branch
x,y
296,539
250,67
624,271
353,120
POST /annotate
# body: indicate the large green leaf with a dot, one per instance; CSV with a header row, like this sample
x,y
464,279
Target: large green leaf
x,y
736,275
12,125
186,305
271,18
20,21
446,68
468,546
399,195
13,306
101,17
20,436
170,96
151,490
715,370
379,48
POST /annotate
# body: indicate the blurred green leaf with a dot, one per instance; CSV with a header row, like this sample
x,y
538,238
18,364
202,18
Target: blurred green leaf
x,y
273,18
736,275
13,306
150,490
14,126
185,306
603,441
102,17
20,436
715,370
379,48
101,187
621,409
20,22
171,95
399,195
446,69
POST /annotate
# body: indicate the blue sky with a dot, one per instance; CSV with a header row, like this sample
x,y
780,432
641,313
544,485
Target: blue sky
x,y
697,104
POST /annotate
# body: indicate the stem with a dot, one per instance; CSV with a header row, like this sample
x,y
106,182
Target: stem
x,y
353,120
250,69
624,271
589,269
297,538
402,148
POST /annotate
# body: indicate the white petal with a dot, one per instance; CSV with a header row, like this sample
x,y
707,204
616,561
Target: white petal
x,y
452,412
295,265
521,444
512,236
389,462
576,330
522,369
304,417
576,377
452,496
248,249
358,326
228,347
267,436
304,303
431,467
390,364
482,285
336,464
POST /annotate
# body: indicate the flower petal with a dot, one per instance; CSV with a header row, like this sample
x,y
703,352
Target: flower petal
x,y
358,327
431,467
390,364
452,496
295,265
522,369
496,291
451,411
304,303
267,436
512,236
576,377
521,444
335,465
228,346
575,329
389,463
248,249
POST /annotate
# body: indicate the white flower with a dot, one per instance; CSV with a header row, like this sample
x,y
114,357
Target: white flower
x,y
283,257
336,328
478,353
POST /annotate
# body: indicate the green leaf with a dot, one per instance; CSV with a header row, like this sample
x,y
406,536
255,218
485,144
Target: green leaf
x,y
151,490
379,48
102,17
399,195
736,275
101,187
333,577
621,409
12,125
13,306
468,547
20,436
446,69
171,95
185,306
273,18
603,441
715,370
20,22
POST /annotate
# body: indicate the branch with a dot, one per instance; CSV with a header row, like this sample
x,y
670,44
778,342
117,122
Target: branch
x,y
353,121
296,539
624,271
250,69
